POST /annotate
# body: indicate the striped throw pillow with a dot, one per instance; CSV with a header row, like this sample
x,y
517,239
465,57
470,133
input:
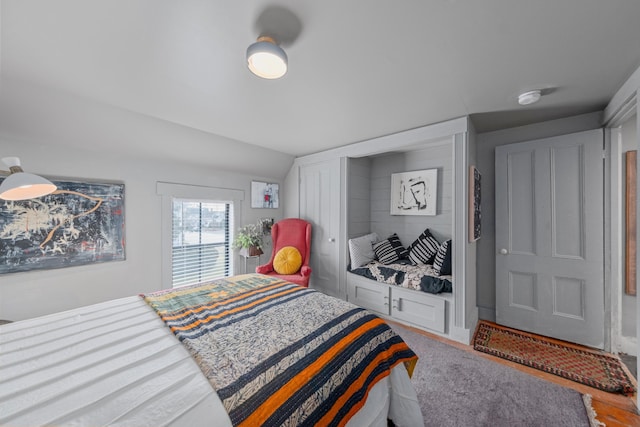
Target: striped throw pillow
x,y
442,263
390,250
424,249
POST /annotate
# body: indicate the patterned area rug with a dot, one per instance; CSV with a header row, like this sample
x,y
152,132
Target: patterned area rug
x,y
593,368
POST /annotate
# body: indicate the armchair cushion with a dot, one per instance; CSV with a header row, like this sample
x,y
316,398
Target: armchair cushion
x,y
287,261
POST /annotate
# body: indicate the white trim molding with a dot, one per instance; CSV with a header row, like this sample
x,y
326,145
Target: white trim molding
x,y
623,104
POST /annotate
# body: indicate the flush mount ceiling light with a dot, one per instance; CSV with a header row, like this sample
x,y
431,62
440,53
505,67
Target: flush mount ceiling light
x,y
530,97
266,59
20,185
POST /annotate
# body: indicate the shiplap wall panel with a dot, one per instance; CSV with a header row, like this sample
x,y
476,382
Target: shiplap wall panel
x,y
408,227
359,204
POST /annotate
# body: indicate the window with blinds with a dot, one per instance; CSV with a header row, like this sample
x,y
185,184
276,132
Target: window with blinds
x,y
201,249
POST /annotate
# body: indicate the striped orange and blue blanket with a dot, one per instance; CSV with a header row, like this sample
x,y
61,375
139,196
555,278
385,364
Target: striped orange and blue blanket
x,y
280,354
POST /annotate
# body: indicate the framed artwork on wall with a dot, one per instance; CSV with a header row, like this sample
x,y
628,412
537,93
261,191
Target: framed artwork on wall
x,y
80,223
265,195
630,222
414,193
475,214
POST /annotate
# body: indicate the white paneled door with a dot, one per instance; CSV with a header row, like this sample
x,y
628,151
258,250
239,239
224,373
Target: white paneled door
x,y
320,205
549,237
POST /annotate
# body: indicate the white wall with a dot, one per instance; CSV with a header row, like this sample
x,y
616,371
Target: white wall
x,y
29,294
485,155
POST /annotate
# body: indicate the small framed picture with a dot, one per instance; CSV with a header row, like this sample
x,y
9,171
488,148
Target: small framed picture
x,y
265,195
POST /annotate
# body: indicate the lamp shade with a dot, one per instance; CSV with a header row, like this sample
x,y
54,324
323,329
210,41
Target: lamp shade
x,y
266,59
21,185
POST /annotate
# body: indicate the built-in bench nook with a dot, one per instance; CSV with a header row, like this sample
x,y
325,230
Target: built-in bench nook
x,y
401,185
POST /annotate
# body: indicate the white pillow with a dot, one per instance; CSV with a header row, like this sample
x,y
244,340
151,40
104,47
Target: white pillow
x,y
361,250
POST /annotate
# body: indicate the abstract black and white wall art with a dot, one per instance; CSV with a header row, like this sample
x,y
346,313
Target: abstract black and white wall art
x,y
414,193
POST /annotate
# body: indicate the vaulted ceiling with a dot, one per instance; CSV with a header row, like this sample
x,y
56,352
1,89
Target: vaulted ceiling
x,y
357,69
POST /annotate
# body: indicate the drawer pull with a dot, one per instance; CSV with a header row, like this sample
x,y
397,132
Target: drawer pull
x,y
395,303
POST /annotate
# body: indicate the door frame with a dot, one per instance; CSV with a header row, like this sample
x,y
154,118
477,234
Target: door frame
x,y
619,343
602,154
622,106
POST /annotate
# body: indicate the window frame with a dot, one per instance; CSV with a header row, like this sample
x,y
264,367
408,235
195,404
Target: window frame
x,y
170,191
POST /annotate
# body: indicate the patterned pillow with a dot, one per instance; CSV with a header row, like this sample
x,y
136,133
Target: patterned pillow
x,y
390,250
442,263
361,250
424,249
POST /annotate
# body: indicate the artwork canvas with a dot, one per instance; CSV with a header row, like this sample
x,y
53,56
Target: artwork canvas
x,y
631,196
264,195
80,223
414,193
474,204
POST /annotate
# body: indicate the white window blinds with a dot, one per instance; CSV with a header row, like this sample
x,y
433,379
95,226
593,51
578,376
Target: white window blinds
x,y
201,236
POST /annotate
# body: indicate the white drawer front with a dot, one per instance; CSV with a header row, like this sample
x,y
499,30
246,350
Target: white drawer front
x,y
373,296
420,309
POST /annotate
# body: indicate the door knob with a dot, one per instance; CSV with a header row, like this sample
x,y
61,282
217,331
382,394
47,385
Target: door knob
x,y
331,239
503,251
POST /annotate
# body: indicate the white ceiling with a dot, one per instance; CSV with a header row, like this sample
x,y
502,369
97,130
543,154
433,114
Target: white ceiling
x,y
358,69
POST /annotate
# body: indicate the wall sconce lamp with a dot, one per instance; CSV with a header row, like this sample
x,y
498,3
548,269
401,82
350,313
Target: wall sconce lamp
x,y
20,185
266,59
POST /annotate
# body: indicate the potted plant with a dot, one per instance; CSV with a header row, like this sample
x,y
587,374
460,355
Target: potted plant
x,y
249,240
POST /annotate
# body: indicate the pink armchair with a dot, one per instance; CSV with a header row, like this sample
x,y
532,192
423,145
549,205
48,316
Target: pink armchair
x,y
290,232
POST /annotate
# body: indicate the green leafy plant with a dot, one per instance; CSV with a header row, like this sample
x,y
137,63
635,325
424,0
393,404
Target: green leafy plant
x,y
248,236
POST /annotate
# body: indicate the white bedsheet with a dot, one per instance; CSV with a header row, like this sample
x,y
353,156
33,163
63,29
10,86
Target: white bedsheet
x,y
116,363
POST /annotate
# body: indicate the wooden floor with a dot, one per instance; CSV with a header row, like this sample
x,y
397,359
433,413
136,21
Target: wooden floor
x,y
614,410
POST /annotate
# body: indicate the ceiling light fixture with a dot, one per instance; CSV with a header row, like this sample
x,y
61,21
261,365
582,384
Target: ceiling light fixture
x,y
20,185
530,97
266,59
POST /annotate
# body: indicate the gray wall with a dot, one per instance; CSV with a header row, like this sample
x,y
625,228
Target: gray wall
x,y
485,154
359,196
409,227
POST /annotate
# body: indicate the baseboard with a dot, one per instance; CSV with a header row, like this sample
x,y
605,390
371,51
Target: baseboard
x,y
461,335
465,335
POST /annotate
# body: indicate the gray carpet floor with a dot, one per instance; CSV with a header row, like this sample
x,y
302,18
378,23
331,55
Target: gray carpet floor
x,y
459,388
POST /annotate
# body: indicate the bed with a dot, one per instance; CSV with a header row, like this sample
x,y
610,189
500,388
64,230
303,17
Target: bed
x,y
246,350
